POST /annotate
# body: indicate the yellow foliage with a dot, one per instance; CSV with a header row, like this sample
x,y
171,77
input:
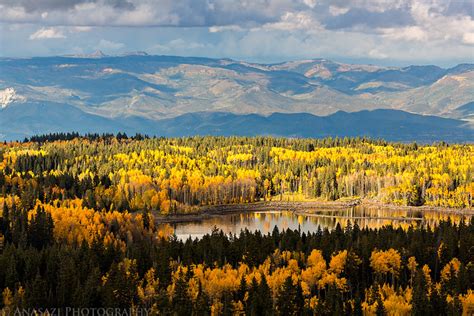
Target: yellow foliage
x,y
384,262
7,298
338,262
334,280
449,268
148,288
467,302
216,281
396,302
216,308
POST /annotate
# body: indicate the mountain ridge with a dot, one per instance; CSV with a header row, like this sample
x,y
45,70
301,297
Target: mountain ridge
x,y
27,120
151,88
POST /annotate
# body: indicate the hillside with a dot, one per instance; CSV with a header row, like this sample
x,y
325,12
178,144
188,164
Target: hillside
x,y
167,86
25,120
110,93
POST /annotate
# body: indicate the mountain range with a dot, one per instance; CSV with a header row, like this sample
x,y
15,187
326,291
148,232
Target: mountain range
x,y
177,96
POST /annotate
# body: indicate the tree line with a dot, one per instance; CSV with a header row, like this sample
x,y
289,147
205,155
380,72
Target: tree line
x,y
179,175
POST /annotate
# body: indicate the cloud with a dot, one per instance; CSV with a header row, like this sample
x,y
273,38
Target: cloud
x,y
294,21
310,3
179,46
409,33
47,33
225,28
149,12
377,54
274,45
439,26
42,6
468,38
335,10
380,5
224,15
79,29
55,32
379,29
366,20
109,45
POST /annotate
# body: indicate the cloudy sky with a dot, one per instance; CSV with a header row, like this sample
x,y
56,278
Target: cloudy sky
x,y
396,32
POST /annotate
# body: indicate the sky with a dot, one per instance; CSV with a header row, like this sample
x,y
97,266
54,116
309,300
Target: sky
x,y
385,32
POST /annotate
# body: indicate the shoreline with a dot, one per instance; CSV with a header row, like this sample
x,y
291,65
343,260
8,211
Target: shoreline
x,y
208,211
299,208
441,209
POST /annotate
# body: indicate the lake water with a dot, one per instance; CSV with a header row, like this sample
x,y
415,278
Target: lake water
x,y
373,217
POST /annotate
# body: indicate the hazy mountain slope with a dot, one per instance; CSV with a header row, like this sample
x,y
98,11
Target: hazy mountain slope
x,y
465,111
441,98
387,124
157,87
22,120
26,119
364,78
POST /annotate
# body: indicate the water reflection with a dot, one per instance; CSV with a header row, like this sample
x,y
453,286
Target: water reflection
x,y
309,222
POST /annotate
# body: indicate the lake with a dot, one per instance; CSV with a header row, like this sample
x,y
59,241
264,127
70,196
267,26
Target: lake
x,y
265,221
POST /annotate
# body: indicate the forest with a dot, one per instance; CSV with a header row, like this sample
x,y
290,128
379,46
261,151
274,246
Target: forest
x,y
163,175
77,226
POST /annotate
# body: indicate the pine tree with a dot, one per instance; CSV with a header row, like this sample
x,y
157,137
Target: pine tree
x,y
121,282
181,302
380,309
420,301
40,229
357,306
146,219
437,301
37,293
242,291
201,305
289,299
454,308
6,223
19,227
265,297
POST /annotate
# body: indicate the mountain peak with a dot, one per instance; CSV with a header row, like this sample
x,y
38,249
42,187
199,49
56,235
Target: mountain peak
x,y
97,54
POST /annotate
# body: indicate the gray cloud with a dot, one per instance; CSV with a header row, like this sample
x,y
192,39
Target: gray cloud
x,y
377,29
153,13
31,6
360,17
457,7
207,13
41,6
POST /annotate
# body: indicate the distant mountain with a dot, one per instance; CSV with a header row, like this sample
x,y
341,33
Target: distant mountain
x,y
465,111
30,119
96,54
167,86
26,119
387,124
98,92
